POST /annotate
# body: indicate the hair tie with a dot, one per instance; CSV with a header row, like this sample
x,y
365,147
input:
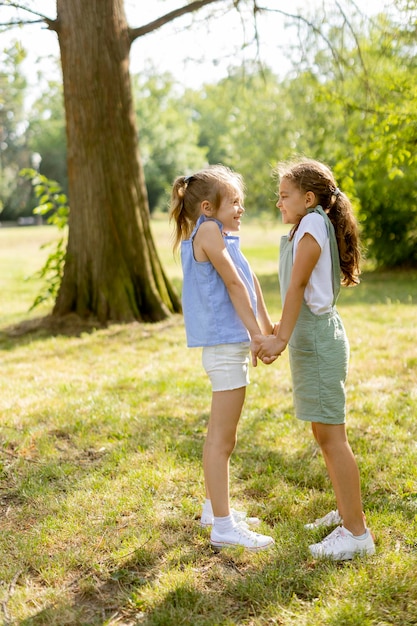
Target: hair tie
x,y
184,187
337,192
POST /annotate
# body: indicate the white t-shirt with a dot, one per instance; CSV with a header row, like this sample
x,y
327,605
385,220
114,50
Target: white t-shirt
x,y
318,294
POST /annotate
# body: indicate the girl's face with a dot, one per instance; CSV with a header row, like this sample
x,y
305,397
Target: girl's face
x,y
291,202
230,210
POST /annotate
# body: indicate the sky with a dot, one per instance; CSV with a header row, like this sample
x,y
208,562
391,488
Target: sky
x,y
194,49
218,41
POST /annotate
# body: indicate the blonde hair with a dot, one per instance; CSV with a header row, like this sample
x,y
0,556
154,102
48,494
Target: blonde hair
x,y
310,175
188,192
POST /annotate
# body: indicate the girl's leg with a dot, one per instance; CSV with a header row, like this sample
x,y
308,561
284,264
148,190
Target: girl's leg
x,y
226,408
343,472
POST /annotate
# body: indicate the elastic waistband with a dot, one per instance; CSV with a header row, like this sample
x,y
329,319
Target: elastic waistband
x,y
306,312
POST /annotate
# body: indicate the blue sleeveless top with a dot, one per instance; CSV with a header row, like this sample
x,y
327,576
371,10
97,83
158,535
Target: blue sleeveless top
x,y
209,315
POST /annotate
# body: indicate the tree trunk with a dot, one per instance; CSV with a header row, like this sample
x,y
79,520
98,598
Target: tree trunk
x,y
112,270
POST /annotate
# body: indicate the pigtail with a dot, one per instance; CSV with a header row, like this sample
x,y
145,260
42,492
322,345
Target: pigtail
x,y
347,235
183,227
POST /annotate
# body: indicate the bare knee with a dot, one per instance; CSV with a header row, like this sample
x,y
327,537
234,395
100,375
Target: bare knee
x,y
331,438
221,447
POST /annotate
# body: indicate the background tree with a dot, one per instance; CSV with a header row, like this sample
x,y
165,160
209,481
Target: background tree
x,y
330,107
14,153
46,133
371,131
352,103
168,136
386,181
112,269
242,122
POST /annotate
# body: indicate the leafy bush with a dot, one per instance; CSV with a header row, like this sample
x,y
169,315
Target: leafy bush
x,y
53,206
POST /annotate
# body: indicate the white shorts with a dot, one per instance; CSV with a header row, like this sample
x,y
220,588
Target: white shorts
x,y
227,365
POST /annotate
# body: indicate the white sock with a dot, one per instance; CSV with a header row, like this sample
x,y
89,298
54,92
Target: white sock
x,y
223,524
207,508
364,536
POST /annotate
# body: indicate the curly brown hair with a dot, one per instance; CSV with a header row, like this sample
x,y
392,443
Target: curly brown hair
x,y
311,175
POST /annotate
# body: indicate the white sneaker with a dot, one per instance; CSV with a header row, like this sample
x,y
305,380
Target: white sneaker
x,y
341,545
240,535
237,516
331,519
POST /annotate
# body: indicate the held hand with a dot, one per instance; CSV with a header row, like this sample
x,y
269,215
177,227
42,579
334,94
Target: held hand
x,y
267,360
276,328
253,355
255,345
264,347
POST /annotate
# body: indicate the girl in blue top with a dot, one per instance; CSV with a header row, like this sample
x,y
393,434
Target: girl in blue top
x,y
323,247
222,303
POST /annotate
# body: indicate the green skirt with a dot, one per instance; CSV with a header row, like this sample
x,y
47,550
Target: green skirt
x,y
319,356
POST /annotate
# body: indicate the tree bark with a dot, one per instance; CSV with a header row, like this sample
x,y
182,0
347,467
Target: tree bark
x,y
112,269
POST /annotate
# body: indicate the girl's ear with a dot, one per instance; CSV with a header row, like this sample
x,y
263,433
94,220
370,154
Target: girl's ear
x,y
206,208
310,200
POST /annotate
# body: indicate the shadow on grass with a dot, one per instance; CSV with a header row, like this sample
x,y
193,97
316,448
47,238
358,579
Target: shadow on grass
x,y
376,288
225,588
211,589
70,326
383,287
232,588
40,328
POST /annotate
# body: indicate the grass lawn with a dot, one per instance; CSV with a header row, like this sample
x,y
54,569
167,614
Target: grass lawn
x,y
101,482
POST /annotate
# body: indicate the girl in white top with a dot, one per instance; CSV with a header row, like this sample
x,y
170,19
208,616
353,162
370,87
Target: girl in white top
x,y
321,251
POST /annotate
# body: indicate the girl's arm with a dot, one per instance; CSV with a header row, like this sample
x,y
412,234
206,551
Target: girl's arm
x,y
211,243
263,316
308,253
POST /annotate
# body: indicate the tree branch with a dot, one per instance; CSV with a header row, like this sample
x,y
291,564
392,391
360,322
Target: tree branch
x,y
358,46
51,24
300,18
21,22
315,29
134,33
